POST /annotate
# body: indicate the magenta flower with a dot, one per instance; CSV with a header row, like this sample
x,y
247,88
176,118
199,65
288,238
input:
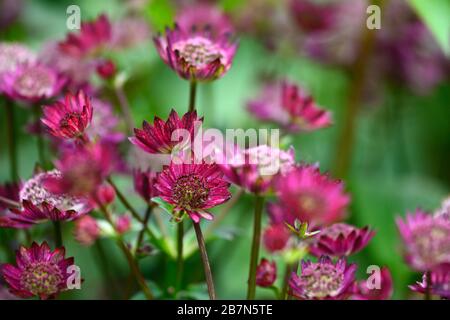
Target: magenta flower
x,y
92,38
12,55
123,224
68,118
161,137
313,17
31,82
266,273
104,123
106,69
285,104
276,237
382,292
144,184
340,239
196,54
9,191
204,17
310,196
323,280
426,239
39,272
440,282
193,188
86,230
83,170
254,169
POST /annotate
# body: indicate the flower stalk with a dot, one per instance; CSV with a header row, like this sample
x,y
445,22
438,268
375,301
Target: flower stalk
x,y
205,261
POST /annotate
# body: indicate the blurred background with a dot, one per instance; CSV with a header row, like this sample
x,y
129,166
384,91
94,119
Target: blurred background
x,y
388,90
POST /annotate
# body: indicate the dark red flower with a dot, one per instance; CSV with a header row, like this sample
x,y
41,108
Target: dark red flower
x,y
380,289
440,282
266,273
144,184
276,237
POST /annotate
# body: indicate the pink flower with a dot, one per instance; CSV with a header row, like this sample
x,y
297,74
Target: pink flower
x,y
383,292
196,54
68,118
86,230
32,82
310,196
323,280
440,282
161,137
39,272
254,169
106,69
204,17
285,104
313,17
266,273
275,237
92,38
123,224
9,191
144,184
340,239
105,194
104,123
12,55
426,239
83,170
193,188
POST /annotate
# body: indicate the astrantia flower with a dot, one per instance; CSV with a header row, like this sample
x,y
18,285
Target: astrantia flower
x,y
310,196
9,191
444,210
144,183
287,105
31,82
196,54
440,282
83,170
39,204
104,123
204,17
376,289
275,237
123,224
86,230
340,239
106,69
266,273
39,272
13,54
93,37
193,188
426,239
161,137
68,118
255,168
323,280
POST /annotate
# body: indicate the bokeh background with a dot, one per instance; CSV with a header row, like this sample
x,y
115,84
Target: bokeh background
x,y
399,155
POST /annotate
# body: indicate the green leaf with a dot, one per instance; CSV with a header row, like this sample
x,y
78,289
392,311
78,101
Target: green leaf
x,y
435,15
167,207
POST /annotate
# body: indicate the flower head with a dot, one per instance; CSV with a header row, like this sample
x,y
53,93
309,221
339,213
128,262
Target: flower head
x,y
144,184
310,196
32,82
254,169
381,290
93,36
84,169
193,188
286,104
68,118
14,54
340,239
123,224
163,137
276,237
104,123
440,282
196,54
39,272
266,273
86,230
323,280
426,238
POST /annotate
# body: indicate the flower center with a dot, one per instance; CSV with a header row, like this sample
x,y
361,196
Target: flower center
x,y
432,244
198,52
71,123
322,281
34,82
310,203
190,192
42,278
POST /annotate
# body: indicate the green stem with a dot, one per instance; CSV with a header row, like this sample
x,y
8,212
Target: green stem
x,y
124,108
192,95
259,204
180,236
206,266
12,143
58,234
128,255
147,216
